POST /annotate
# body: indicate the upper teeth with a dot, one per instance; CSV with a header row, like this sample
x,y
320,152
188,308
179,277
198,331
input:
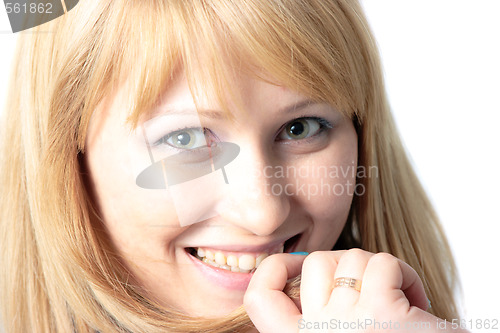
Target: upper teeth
x,y
243,263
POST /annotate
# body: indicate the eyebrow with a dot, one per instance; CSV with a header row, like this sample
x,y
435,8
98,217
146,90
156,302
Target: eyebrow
x,y
207,113
218,114
298,106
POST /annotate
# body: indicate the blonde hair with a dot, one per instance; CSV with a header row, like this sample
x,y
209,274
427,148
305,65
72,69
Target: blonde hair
x,y
59,272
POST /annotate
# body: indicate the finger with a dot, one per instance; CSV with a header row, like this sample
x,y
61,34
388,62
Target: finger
x,y
352,264
318,273
392,277
269,308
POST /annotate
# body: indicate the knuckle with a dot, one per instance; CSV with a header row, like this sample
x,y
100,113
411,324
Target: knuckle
x,y
383,258
251,299
271,262
315,258
355,253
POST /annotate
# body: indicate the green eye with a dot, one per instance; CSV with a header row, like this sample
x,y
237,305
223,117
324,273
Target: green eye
x,y
184,139
300,129
189,138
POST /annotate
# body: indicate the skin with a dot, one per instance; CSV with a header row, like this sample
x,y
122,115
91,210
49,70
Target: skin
x,y
145,228
391,294
144,225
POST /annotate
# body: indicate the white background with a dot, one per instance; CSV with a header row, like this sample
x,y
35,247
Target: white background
x,y
441,62
442,68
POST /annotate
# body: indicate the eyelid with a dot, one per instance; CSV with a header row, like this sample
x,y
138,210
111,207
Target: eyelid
x,y
209,135
163,138
324,124
172,133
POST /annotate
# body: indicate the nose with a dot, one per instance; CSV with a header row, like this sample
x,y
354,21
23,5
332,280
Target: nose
x,y
254,199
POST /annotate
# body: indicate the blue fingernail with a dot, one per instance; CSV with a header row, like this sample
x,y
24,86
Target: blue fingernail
x,y
429,301
300,253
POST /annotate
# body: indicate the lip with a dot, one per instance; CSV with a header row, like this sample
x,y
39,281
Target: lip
x,y
245,248
222,277
236,280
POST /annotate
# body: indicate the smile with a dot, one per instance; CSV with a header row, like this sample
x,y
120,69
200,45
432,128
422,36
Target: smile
x,y
239,261
234,261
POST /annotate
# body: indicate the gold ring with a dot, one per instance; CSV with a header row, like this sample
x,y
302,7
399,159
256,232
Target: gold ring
x,y
347,282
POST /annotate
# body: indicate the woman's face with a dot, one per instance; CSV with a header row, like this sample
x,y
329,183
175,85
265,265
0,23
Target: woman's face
x,y
287,182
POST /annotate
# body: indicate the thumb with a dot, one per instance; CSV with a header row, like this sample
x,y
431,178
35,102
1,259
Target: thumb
x,y
269,308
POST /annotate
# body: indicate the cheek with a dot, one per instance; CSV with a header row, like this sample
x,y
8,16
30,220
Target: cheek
x,y
326,188
134,217
328,191
327,200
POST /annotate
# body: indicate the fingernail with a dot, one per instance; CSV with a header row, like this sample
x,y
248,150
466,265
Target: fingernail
x,y
300,253
429,304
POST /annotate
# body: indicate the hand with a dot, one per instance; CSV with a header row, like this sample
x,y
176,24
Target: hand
x,y
391,294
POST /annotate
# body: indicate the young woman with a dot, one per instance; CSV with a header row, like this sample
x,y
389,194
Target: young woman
x,y
157,158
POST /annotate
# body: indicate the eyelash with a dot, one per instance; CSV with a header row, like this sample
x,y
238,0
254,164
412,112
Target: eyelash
x,y
164,138
324,125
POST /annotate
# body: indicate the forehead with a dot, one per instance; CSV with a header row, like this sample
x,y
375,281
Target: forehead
x,y
309,50
214,59
246,93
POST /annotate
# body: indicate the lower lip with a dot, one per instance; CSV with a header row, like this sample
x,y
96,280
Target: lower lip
x,y
222,277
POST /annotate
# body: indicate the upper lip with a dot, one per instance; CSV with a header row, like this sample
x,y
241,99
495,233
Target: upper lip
x,y
264,247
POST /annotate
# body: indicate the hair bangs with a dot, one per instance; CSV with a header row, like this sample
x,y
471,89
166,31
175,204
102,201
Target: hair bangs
x,y
213,43
118,46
